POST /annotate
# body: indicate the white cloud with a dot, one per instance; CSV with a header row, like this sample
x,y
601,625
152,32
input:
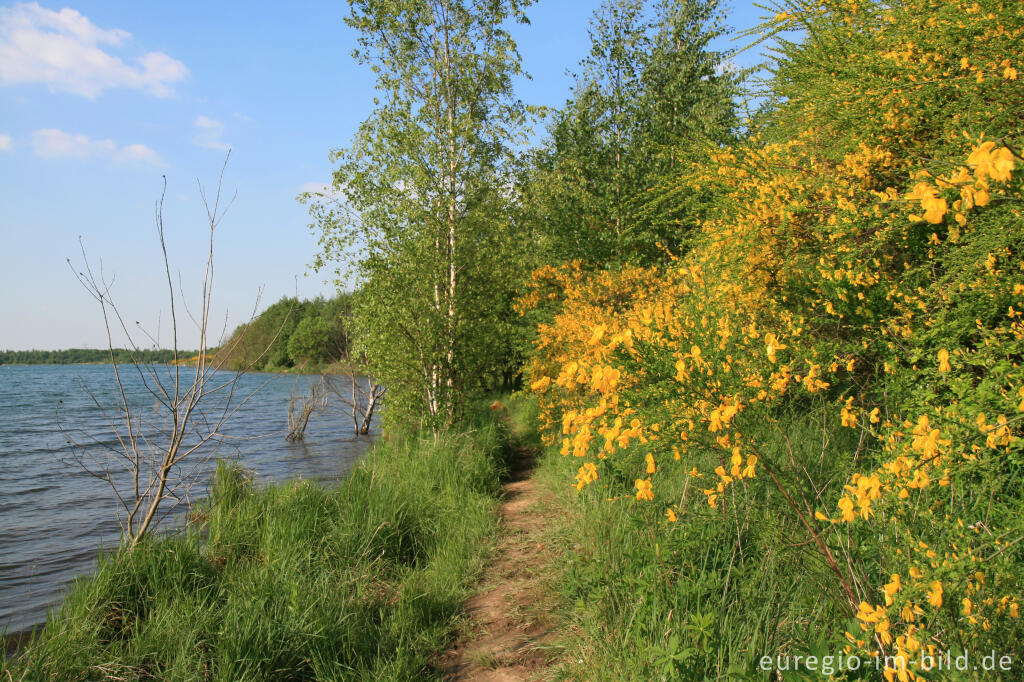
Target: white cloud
x,y
5,143
315,188
51,143
209,133
65,51
321,192
138,152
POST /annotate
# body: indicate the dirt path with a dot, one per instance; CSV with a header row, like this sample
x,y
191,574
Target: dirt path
x,y
508,636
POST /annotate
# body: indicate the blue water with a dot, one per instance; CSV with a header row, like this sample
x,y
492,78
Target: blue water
x,y
54,517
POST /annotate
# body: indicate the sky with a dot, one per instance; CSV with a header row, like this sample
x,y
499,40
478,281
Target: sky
x,y
99,101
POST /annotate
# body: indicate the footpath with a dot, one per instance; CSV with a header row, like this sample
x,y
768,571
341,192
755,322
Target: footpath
x,y
509,632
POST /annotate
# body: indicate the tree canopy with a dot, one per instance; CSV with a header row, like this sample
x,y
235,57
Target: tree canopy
x,y
292,333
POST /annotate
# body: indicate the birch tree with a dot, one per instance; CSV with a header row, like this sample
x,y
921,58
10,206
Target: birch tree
x,y
421,208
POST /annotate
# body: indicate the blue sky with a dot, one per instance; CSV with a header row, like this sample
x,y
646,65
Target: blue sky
x,y
99,100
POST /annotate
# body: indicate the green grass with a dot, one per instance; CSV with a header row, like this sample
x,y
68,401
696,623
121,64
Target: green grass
x,y
704,597
295,581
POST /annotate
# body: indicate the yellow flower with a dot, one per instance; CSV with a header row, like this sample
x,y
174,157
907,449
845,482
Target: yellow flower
x,y
991,163
670,515
891,588
846,507
981,196
934,206
643,489
771,345
681,373
935,593
849,417
587,474
944,360
650,463
934,209
736,461
540,384
605,379
870,614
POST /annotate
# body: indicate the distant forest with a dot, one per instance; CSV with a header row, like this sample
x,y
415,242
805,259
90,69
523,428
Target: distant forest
x,y
79,356
288,334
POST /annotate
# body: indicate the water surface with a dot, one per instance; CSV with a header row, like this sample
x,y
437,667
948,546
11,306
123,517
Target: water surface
x,y
54,516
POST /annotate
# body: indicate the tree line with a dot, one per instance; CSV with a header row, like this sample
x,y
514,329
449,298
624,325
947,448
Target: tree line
x,y
290,333
83,356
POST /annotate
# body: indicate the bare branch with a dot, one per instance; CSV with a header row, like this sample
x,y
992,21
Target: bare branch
x,y
145,469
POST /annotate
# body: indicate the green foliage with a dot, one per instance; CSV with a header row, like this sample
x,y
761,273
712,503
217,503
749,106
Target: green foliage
x,y
652,97
866,493
309,340
76,356
421,213
293,333
703,597
294,581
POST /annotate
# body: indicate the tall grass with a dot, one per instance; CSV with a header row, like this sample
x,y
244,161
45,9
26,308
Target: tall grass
x,y
294,581
706,596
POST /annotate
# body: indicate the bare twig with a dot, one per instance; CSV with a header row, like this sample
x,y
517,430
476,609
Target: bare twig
x,y
315,401
150,450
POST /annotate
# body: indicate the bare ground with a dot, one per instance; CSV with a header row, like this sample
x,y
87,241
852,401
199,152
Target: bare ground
x,y
509,633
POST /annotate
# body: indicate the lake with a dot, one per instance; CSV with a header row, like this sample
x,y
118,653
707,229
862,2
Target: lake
x,y
55,517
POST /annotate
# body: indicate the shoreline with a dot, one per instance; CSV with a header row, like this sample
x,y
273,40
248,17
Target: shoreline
x,y
14,641
404,569
84,506
334,369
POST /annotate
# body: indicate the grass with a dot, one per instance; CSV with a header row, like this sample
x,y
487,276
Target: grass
x,y
486,659
704,597
295,581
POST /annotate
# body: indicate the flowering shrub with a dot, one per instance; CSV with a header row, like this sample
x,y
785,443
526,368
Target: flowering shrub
x,y
862,257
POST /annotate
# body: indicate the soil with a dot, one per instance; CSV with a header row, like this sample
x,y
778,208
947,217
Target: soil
x,y
509,633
